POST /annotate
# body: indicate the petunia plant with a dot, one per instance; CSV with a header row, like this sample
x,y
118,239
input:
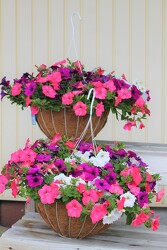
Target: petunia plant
x,y
67,84
103,181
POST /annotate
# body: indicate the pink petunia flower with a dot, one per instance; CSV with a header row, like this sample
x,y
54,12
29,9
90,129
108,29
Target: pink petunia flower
x,y
34,110
16,89
124,93
48,91
141,126
55,139
28,101
81,188
80,109
116,189
70,144
67,98
100,92
74,208
118,99
133,189
90,195
48,194
110,85
129,125
155,223
99,109
140,102
59,63
120,203
3,182
160,195
140,219
98,212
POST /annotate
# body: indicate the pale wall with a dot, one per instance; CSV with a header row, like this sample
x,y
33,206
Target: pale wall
x,y
128,36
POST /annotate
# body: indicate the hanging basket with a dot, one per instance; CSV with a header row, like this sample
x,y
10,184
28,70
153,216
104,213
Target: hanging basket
x,y
55,215
67,123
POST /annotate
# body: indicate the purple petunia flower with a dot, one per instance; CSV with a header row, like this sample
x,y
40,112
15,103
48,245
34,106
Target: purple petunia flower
x,y
142,198
90,172
111,177
43,157
60,165
85,146
30,89
135,92
108,167
108,149
34,177
119,84
102,184
65,73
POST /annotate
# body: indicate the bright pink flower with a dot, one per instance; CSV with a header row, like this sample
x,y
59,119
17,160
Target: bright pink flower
x,y
74,208
90,195
155,223
55,78
140,219
118,99
120,203
34,110
160,195
81,188
28,101
110,85
76,92
98,212
48,91
28,155
15,157
129,125
137,178
125,172
99,109
16,89
140,102
141,125
124,93
116,189
48,194
67,98
59,63
55,139
100,92
133,189
78,65
14,187
80,109
3,182
28,200
70,144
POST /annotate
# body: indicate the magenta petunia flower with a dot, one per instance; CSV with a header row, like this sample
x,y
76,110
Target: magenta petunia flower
x,y
102,184
89,172
30,89
111,177
142,198
34,177
43,157
60,165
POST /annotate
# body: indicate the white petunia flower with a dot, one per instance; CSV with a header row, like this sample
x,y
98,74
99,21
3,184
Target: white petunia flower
x,y
62,177
129,199
101,158
113,216
80,180
140,86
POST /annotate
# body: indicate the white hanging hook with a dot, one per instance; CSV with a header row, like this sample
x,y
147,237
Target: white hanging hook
x,y
72,21
93,99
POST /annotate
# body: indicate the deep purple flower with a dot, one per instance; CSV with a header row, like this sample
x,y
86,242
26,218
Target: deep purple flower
x,y
111,177
4,82
148,93
108,149
43,157
90,172
119,84
152,185
65,73
108,167
135,92
85,146
30,89
142,198
60,165
34,177
121,152
102,184
53,148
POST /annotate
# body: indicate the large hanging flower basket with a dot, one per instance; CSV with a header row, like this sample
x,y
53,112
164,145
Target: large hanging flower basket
x,y
55,215
67,123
